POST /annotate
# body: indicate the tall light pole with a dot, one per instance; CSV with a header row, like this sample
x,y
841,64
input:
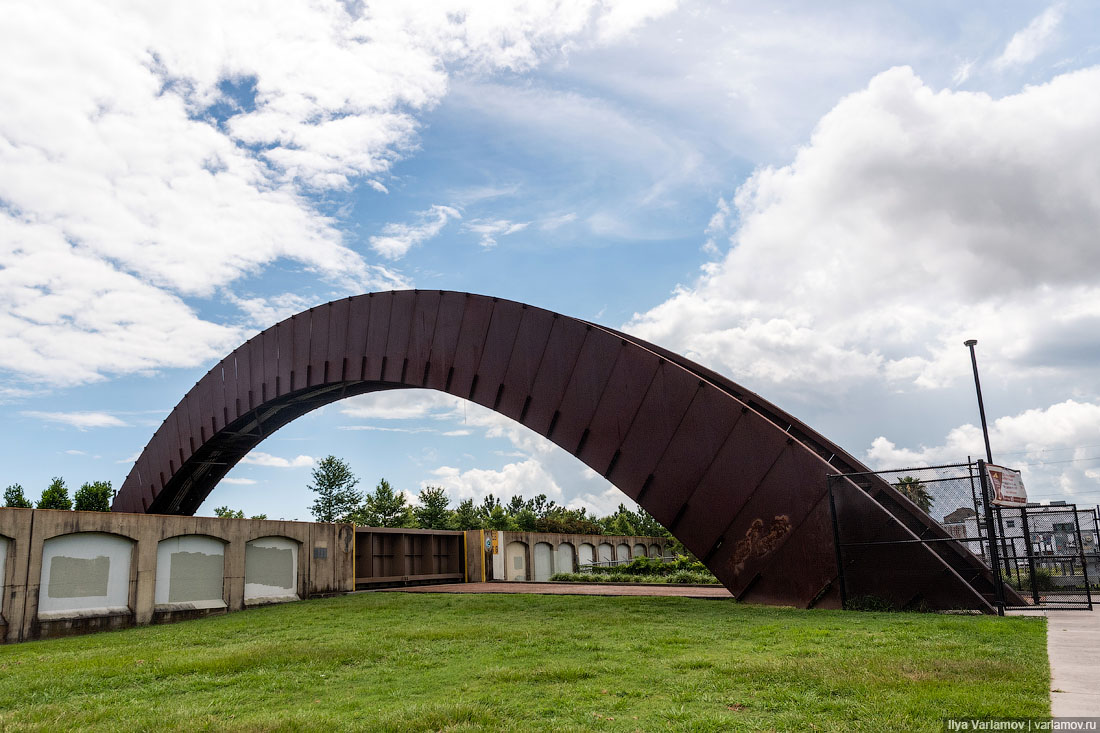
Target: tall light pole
x,y
981,406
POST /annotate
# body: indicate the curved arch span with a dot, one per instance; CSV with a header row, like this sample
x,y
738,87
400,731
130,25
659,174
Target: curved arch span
x,y
740,482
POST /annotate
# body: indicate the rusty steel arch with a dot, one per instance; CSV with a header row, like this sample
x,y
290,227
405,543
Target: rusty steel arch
x,y
740,482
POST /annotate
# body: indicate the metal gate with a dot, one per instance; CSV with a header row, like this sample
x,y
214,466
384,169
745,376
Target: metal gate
x,y
1045,554
1019,557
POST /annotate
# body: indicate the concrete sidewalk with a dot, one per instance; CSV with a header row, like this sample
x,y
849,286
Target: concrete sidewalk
x,y
1073,645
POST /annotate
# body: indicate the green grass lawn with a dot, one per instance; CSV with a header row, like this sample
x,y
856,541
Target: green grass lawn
x,y
416,662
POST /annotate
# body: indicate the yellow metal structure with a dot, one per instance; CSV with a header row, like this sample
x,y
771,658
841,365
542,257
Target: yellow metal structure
x,y
483,556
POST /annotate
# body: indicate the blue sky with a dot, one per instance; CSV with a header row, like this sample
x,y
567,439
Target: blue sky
x,y
820,202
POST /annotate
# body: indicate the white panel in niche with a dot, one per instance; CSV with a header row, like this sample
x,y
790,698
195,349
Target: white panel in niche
x,y
563,562
515,560
190,572
85,574
271,570
544,561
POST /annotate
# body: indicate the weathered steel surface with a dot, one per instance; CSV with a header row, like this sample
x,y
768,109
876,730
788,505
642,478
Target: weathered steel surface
x,y
740,482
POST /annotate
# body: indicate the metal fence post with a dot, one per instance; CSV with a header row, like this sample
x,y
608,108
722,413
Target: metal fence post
x,y
836,544
994,559
1030,555
1084,560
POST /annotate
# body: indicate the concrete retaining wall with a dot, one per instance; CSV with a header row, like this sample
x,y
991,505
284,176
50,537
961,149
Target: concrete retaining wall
x,y
518,556
64,572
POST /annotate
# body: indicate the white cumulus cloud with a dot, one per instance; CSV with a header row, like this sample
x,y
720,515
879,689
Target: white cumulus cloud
x,y
1056,448
911,220
154,154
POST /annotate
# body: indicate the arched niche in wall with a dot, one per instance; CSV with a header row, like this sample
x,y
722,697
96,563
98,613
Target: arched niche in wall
x,y
586,554
270,570
565,558
515,561
190,573
543,559
85,574
4,544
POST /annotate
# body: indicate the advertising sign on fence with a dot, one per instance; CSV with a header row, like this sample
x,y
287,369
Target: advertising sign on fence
x,y
1008,486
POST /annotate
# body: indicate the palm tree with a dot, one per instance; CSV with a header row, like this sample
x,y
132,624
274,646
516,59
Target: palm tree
x,y
916,492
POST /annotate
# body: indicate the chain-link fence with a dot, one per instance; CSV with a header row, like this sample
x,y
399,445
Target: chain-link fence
x,y
1045,553
1035,555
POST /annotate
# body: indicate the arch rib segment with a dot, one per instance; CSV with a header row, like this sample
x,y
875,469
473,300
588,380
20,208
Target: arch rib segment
x,y
707,458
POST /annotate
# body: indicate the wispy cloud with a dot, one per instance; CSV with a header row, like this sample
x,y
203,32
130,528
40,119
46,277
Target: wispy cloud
x,y
386,430
263,312
551,223
718,226
490,229
259,458
1028,43
75,452
962,72
78,420
397,239
399,405
238,481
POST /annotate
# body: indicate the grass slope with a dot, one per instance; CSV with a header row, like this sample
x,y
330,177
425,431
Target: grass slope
x,y
415,662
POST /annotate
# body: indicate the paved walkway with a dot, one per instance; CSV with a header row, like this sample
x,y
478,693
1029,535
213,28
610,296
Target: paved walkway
x,y
571,589
1073,648
1073,644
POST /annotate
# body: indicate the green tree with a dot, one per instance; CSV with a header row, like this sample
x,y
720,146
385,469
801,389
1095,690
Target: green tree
x,y
258,516
466,516
335,484
541,506
384,508
568,521
622,522
499,519
56,495
13,496
916,491
94,497
226,513
648,526
525,520
485,509
433,508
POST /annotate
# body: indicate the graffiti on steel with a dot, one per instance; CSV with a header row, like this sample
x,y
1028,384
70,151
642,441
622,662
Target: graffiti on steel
x,y
740,482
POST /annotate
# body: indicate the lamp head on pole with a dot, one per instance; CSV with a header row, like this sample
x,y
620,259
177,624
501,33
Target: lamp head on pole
x,y
970,342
